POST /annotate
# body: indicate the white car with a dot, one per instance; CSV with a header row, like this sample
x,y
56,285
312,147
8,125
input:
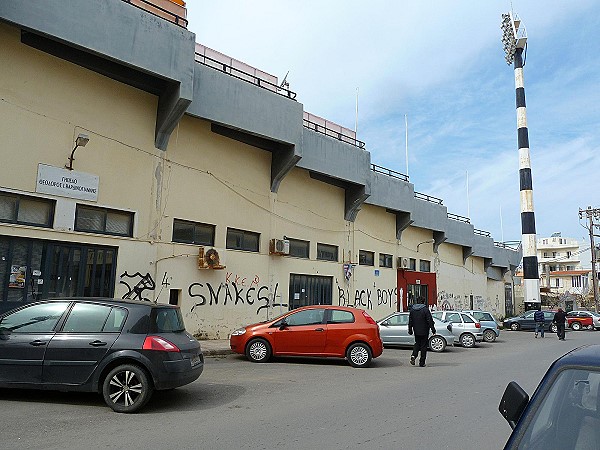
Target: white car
x,y
393,330
464,326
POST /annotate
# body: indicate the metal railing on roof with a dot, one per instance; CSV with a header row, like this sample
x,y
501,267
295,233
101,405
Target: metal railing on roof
x,y
482,233
511,245
389,172
459,218
428,198
244,76
159,11
320,128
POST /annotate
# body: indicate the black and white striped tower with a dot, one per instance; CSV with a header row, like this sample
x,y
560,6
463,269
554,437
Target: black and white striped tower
x,y
514,40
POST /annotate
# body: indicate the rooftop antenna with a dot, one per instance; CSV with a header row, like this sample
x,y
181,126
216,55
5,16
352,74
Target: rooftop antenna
x,y
284,84
468,201
406,141
356,116
501,225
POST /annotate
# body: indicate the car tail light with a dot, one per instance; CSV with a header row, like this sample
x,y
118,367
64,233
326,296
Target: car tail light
x,y
369,319
159,344
477,325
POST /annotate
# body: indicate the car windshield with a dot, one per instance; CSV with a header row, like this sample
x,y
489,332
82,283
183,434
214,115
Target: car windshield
x,y
167,320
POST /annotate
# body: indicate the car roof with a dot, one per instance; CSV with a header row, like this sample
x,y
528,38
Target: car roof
x,y
110,301
343,308
588,355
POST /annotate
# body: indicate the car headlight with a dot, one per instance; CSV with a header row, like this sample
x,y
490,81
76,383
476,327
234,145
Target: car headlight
x,y
238,332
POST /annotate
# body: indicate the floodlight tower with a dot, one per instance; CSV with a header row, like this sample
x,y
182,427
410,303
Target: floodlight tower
x,y
514,40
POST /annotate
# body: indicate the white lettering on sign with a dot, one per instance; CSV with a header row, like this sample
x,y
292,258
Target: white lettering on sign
x,y
66,183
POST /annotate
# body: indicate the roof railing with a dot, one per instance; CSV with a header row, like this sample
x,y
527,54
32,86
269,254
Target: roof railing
x,y
428,198
389,172
244,76
511,245
320,128
459,218
482,233
159,11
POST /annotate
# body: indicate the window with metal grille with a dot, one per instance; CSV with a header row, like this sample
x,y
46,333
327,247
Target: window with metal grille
x,y
327,252
412,264
299,248
424,265
187,232
385,260
242,240
25,210
103,220
366,258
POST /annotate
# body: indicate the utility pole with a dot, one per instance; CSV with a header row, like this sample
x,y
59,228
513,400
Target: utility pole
x,y
591,214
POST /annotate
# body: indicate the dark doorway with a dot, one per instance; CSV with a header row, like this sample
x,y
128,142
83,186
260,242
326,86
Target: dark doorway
x,y
508,300
309,290
417,293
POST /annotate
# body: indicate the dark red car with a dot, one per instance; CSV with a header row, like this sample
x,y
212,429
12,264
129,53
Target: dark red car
x,y
324,331
578,320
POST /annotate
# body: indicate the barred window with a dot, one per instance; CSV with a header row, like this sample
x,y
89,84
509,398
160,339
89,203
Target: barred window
x,y
103,220
25,210
385,260
327,252
193,233
299,248
242,240
366,258
424,265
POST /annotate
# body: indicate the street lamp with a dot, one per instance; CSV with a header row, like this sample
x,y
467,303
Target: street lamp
x,y
514,42
80,141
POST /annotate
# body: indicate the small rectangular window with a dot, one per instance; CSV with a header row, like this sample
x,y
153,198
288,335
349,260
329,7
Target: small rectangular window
x,y
366,258
242,240
299,248
412,264
424,265
385,260
24,210
327,252
93,219
193,233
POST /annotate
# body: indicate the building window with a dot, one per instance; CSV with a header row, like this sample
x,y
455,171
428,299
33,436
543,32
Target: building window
x,y
412,264
299,248
24,210
557,282
545,254
193,233
568,254
554,254
385,260
242,240
104,221
424,266
327,252
576,281
366,258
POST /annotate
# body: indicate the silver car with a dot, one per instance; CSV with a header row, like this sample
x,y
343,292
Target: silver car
x,y
464,326
488,324
394,331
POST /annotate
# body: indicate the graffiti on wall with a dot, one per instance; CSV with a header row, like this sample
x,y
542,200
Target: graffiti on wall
x,y
366,298
135,291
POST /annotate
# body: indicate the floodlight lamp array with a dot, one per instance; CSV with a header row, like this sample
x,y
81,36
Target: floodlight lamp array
x,y
509,41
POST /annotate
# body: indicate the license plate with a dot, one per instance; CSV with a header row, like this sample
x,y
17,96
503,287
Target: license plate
x,y
196,360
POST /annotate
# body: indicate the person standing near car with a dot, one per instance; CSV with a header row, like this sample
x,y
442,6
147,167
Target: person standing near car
x,y
538,318
559,320
420,322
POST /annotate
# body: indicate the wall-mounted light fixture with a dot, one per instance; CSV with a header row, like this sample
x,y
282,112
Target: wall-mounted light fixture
x,y
428,241
81,141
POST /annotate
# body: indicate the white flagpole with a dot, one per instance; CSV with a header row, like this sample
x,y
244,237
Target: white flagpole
x,y
406,141
356,117
468,202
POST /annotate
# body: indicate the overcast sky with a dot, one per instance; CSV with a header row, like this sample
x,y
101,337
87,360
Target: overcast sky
x,y
441,64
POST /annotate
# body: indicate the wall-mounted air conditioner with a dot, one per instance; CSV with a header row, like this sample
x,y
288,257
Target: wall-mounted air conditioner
x,y
403,262
279,247
209,259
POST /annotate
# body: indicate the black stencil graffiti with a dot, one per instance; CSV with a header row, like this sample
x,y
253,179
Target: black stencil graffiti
x,y
232,293
145,283
364,298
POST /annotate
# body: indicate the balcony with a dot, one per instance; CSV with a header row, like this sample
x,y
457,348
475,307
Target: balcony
x,y
334,130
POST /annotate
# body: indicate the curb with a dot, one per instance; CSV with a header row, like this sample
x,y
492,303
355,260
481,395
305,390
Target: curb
x,y
217,352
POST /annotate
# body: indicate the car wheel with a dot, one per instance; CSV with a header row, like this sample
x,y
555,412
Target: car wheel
x,y
258,351
467,340
359,355
515,326
591,327
127,388
437,344
489,336
553,328
576,326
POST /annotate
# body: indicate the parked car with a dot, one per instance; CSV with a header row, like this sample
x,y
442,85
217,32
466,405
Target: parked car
x,y
583,319
525,322
464,326
488,324
123,349
394,331
324,331
564,411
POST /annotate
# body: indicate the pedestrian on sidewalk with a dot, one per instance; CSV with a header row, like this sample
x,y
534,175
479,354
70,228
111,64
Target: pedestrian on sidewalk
x,y
559,320
420,322
540,322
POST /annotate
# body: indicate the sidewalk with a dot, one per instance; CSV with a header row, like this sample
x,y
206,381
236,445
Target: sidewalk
x,y
215,347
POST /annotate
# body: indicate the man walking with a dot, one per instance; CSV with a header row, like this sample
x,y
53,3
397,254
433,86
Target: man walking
x,y
559,320
539,320
420,322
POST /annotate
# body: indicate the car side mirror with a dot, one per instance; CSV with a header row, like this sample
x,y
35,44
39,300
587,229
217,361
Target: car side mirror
x,y
4,333
513,403
283,325
386,323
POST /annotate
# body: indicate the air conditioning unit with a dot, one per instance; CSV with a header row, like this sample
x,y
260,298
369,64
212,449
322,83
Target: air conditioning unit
x,y
209,259
403,263
279,247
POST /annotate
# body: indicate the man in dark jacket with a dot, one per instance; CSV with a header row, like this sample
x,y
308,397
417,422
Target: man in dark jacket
x,y
539,319
420,322
559,320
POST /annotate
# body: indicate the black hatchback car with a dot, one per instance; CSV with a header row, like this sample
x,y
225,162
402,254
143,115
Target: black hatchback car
x,y
123,349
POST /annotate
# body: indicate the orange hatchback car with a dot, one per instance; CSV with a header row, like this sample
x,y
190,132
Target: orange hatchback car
x,y
322,330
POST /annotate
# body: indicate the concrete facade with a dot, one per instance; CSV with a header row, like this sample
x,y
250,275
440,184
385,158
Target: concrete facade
x,y
190,143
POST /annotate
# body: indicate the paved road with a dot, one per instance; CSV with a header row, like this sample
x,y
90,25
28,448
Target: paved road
x,y
303,404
